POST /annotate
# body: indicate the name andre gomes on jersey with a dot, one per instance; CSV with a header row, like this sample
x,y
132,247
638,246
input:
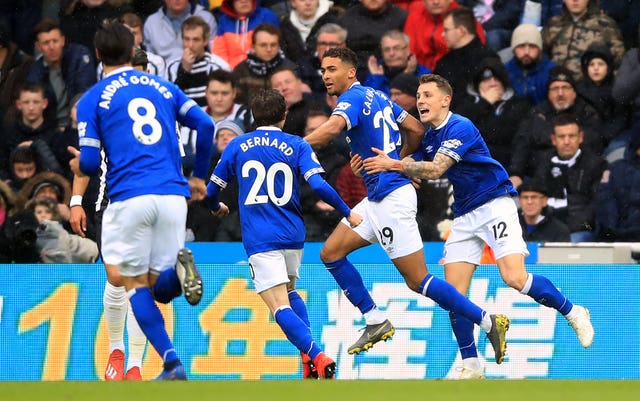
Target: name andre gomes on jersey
x,y
123,80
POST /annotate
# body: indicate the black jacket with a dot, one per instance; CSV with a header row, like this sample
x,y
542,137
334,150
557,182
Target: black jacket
x,y
577,184
550,229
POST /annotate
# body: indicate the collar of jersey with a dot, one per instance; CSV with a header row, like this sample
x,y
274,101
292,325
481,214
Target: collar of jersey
x,y
119,70
268,128
445,121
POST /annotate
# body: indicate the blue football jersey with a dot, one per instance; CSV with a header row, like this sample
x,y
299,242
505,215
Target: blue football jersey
x,y
476,177
267,164
372,121
133,115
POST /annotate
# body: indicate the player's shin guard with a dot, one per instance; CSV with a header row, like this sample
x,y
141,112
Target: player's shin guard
x,y
299,307
151,322
296,331
463,330
349,279
137,342
167,286
449,299
544,292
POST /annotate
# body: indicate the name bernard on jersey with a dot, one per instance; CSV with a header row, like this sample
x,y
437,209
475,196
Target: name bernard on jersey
x,y
123,80
266,141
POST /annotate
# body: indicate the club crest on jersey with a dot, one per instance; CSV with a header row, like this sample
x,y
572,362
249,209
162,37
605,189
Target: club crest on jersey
x,y
452,144
343,106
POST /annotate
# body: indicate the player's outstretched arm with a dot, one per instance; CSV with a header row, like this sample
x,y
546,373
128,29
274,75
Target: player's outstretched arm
x,y
326,132
422,169
77,214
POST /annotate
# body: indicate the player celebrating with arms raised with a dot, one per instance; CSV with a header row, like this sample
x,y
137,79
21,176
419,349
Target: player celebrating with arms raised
x,y
132,115
389,211
484,212
267,163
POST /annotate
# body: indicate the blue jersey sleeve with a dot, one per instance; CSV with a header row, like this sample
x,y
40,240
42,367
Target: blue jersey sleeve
x,y
220,177
458,138
88,137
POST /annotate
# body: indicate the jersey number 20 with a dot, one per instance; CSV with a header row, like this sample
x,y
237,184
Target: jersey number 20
x,y
269,176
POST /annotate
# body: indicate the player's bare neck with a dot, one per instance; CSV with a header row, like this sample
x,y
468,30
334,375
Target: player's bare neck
x,y
110,68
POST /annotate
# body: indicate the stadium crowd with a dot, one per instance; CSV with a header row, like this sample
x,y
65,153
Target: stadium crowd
x,y
553,86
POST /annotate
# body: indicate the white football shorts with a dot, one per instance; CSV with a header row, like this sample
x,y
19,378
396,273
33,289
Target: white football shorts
x,y
391,222
144,233
494,223
271,268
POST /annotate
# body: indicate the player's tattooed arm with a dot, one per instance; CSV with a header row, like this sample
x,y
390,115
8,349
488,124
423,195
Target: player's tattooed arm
x,y
430,170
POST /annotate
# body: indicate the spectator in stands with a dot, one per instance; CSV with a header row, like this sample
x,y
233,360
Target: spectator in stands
x,y
403,90
597,70
366,21
64,69
14,66
396,59
80,19
162,29
498,18
425,30
571,175
626,91
263,59
156,64
568,35
288,84
54,243
538,225
27,161
237,21
529,68
533,138
329,36
190,71
493,106
618,204
52,185
297,25
221,106
7,208
31,126
465,50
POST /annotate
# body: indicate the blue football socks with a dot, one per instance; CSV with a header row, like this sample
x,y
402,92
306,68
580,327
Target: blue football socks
x,y
544,292
299,307
463,330
349,279
167,286
296,331
445,295
151,322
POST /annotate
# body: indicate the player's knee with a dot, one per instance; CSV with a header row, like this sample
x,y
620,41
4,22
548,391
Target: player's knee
x,y
329,255
515,280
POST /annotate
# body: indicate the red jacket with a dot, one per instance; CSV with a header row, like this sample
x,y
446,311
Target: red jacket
x,y
425,33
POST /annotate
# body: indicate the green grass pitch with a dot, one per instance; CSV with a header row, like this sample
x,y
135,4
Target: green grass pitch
x,y
299,390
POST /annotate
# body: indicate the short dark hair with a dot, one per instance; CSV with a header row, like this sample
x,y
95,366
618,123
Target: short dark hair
x,y
140,58
114,43
440,82
223,76
46,25
563,119
462,16
24,154
268,107
31,87
268,28
194,22
345,55
131,19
